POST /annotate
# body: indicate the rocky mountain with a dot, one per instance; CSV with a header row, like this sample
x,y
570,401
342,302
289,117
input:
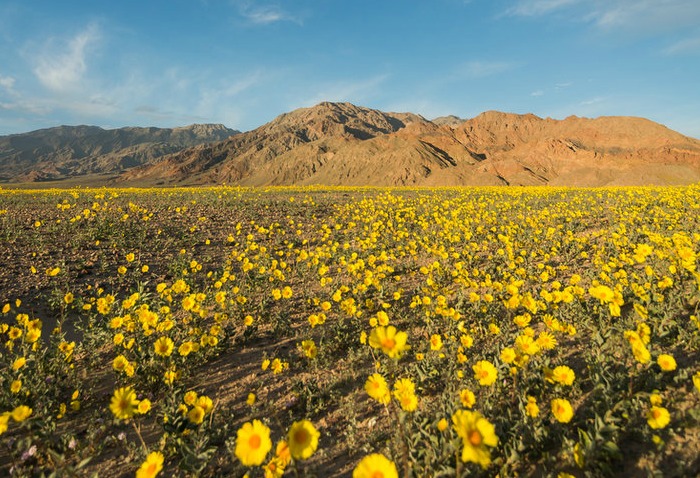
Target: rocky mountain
x,y
343,144
69,151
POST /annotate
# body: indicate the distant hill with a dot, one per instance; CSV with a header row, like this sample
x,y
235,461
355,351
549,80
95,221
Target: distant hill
x,y
69,151
344,144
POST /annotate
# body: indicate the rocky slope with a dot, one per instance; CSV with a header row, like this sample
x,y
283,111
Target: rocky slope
x,y
69,151
343,144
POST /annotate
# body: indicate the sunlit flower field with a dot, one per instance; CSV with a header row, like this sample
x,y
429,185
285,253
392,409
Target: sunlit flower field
x,y
350,332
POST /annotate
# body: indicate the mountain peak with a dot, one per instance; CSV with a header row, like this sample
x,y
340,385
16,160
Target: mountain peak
x,y
339,143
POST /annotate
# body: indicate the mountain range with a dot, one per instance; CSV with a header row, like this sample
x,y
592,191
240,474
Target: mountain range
x,y
74,151
344,144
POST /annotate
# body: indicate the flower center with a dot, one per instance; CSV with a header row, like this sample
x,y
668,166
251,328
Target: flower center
x,y
475,437
301,436
388,343
377,474
254,442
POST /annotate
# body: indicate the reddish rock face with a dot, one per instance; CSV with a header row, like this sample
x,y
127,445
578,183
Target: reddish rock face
x,y
344,144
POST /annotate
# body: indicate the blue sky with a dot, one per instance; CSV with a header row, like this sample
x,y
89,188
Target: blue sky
x,y
243,62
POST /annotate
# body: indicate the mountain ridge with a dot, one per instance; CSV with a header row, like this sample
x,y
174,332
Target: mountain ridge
x,y
65,151
344,144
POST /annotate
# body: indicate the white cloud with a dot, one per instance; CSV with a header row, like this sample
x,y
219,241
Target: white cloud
x,y
481,69
7,82
63,70
353,91
689,45
264,14
529,8
654,15
537,93
641,16
592,101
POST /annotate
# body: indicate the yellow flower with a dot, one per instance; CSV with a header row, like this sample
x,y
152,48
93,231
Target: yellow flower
x,y
120,363
144,406
377,388
164,346
477,434
442,425
407,400
696,380
130,257
287,292
309,348
562,410
21,413
15,333
33,335
190,398
467,398
196,415
527,345
485,372
152,466
124,403
252,443
531,408
18,363
169,376
546,340
508,355
563,374
391,342
666,362
16,386
4,420
375,465
185,348
435,342
206,403
278,366
640,352
302,439
250,400
658,417
68,298
274,468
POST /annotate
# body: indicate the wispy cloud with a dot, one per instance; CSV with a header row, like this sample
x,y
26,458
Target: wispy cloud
x,y
654,15
258,14
7,82
592,101
481,69
642,16
62,69
529,8
537,93
356,91
689,45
